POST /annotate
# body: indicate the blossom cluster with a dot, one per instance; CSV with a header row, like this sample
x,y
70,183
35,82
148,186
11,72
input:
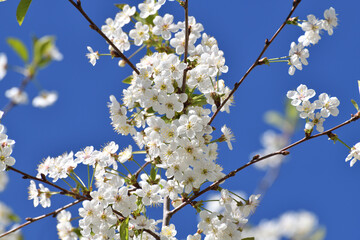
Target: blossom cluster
x,y
325,104
17,95
166,110
290,225
312,27
354,154
6,148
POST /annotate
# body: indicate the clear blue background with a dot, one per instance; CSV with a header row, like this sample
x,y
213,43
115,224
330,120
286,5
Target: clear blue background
x,y
315,178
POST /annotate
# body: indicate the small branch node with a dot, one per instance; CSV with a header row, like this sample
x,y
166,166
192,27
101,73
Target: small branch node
x,y
285,153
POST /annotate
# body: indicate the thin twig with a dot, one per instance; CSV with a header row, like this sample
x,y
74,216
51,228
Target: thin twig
x,y
267,44
187,33
256,159
136,174
93,26
31,220
44,180
22,87
152,233
166,210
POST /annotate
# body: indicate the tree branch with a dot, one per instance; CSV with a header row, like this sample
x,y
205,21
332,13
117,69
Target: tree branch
x,y
257,61
44,180
152,233
187,33
31,220
93,26
256,159
22,87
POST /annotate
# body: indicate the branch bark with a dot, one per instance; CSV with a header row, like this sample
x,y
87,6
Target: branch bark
x,y
93,26
257,61
31,220
256,159
22,87
44,180
187,33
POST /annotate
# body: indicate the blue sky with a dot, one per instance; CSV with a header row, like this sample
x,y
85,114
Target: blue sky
x,y
315,177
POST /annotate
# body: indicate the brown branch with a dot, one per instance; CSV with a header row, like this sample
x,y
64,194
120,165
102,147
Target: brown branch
x,y
93,26
166,211
151,233
44,180
257,61
31,220
22,87
257,158
136,174
187,33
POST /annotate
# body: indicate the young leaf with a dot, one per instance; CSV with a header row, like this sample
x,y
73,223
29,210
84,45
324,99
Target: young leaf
x,y
42,47
18,46
355,104
275,119
124,230
120,5
128,79
22,10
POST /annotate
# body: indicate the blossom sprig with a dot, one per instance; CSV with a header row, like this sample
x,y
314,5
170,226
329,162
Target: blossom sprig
x,y
170,119
326,105
45,51
312,28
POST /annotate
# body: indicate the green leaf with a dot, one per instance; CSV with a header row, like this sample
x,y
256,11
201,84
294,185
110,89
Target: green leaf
x,y
120,6
42,47
153,173
199,100
275,119
22,10
249,238
13,217
128,80
124,230
355,104
18,46
320,234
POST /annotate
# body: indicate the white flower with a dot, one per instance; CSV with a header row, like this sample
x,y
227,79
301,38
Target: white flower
x,y
227,136
140,33
330,20
168,231
251,205
5,158
41,195
298,55
150,7
3,65
45,99
317,121
301,94
354,154
312,29
92,56
306,108
16,96
328,105
124,16
125,155
164,26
